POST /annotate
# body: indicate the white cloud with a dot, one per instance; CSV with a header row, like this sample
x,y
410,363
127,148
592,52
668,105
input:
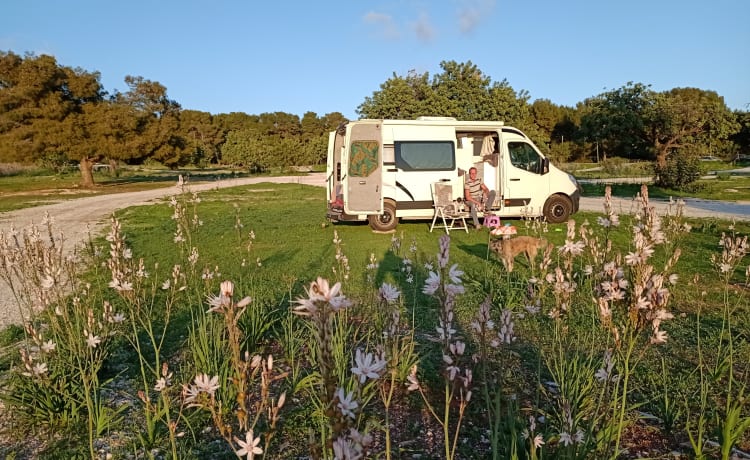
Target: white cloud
x,y
423,28
472,13
386,26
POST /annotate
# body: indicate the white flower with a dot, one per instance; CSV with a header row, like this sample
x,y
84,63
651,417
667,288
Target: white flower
x,y
190,393
367,366
538,441
248,447
117,318
206,384
389,293
48,346
452,371
344,449
305,307
161,384
92,340
39,369
431,284
455,274
572,248
659,337
347,405
565,439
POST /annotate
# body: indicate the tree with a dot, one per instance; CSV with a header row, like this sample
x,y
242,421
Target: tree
x,y
246,149
617,120
685,117
401,98
461,90
741,138
203,136
36,97
158,120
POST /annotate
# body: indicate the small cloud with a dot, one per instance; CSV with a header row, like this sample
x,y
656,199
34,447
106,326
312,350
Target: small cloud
x,y
423,28
385,25
472,13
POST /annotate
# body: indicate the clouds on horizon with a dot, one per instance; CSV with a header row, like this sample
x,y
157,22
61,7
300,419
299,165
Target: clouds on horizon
x,y
468,17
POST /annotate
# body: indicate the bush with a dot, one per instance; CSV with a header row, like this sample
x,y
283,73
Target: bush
x,y
679,172
613,166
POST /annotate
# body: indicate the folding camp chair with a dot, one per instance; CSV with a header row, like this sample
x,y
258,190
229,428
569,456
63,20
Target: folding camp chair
x,y
446,209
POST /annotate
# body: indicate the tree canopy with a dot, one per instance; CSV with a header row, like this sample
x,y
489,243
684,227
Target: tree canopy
x,y
50,112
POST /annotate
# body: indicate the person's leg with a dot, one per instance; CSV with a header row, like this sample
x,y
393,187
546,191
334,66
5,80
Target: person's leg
x,y
490,200
473,213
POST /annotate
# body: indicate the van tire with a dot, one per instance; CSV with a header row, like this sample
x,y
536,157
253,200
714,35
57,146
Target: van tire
x,y
557,209
386,221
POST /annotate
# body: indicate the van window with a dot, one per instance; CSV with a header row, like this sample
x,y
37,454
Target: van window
x,y
523,156
425,155
364,158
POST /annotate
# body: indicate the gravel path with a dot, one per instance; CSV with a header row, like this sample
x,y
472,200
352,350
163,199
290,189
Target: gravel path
x,y
74,216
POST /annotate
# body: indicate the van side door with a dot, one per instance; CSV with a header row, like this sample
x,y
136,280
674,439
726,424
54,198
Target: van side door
x,y
363,182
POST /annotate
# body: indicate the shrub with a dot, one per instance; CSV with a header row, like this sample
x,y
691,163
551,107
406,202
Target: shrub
x,y
679,172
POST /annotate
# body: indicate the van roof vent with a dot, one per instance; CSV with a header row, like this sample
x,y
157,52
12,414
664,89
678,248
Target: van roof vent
x,y
436,118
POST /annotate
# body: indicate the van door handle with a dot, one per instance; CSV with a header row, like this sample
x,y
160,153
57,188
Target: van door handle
x,y
362,182
515,180
445,180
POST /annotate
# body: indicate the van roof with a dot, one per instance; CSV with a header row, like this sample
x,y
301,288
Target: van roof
x,y
434,121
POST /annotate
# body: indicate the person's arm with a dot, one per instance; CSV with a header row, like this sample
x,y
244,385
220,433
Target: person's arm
x,y
467,195
485,190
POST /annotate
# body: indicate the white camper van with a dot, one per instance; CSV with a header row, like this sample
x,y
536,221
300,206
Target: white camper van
x,y
383,170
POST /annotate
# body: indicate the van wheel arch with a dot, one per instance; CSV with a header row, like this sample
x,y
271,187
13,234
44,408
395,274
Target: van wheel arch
x,y
386,221
558,208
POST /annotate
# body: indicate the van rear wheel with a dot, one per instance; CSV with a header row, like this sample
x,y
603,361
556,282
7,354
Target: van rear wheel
x,y
557,209
387,220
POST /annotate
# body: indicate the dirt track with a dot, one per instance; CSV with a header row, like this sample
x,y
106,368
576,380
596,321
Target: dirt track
x,y
74,216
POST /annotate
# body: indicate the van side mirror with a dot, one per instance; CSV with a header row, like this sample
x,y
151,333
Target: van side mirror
x,y
545,166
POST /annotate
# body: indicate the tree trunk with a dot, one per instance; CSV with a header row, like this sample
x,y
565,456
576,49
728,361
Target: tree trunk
x,y
87,176
661,156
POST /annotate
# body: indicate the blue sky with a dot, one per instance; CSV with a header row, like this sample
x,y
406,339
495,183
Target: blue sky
x,y
252,56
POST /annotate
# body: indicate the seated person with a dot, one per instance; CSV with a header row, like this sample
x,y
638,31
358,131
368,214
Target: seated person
x,y
337,198
477,195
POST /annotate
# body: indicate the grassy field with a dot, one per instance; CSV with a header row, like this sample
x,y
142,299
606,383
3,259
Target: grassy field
x,y
551,374
33,187
734,188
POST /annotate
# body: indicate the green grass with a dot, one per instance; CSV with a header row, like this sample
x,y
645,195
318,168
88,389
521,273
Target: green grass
x,y
293,245
734,188
36,187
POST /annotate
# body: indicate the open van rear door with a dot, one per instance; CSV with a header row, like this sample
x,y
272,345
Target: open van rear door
x,y
363,184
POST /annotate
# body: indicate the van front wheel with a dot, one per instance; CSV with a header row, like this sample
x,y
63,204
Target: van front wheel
x,y
557,209
387,220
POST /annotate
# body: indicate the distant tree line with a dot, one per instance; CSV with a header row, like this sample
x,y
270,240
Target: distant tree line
x,y
54,114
